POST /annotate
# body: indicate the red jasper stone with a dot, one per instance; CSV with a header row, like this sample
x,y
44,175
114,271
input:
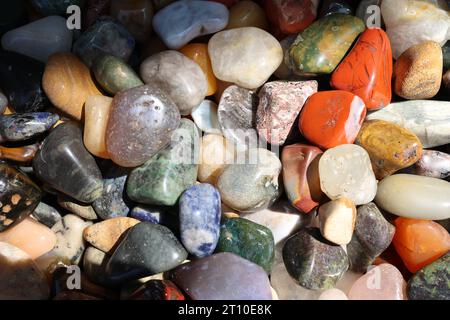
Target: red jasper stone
x,y
158,290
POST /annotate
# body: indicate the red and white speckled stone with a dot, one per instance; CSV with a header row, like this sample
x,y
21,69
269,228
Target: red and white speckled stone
x,y
279,105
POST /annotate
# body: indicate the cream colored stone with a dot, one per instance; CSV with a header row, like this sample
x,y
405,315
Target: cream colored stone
x,y
96,113
337,220
333,294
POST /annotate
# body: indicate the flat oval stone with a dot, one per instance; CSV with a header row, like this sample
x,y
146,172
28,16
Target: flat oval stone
x,y
39,39
431,282
434,164
180,22
337,220
147,249
300,176
415,197
188,89
46,214
19,196
141,122
200,213
23,126
96,113
20,81
280,102
222,276
335,33
312,261
291,16
247,14
249,240
63,159
20,278
67,83
418,71
253,185
245,56
82,210
158,290
390,147
205,117
114,75
346,171
52,7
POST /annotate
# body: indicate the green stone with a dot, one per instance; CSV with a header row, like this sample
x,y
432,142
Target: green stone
x,y
162,179
322,46
114,75
431,282
249,240
446,55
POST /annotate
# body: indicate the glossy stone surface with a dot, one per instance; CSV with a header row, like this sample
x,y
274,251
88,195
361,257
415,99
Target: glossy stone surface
x,y
373,235
418,71
420,242
19,154
104,37
428,120
398,194
67,83
390,147
245,56
163,178
249,240
312,261
200,219
134,134
19,196
46,214
50,7
346,171
23,126
20,278
153,214
337,220
187,89
280,103
237,116
114,75
205,117
434,164
147,249
82,210
367,70
62,157
39,39
96,114
300,176
180,22
247,14
431,282
383,282
20,81
321,46
291,16
158,290
222,276
252,185
332,118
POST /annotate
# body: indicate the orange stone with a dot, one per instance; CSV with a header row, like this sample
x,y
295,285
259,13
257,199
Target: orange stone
x,y
30,236
367,70
332,118
420,242
199,53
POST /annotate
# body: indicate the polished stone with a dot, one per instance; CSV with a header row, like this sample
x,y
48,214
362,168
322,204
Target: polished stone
x,y
82,210
96,114
337,220
434,164
205,117
46,214
23,126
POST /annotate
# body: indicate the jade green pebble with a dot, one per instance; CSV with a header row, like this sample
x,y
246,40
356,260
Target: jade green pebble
x,y
249,240
114,75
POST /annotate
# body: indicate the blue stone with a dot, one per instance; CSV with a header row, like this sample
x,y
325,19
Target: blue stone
x,y
200,212
149,214
23,126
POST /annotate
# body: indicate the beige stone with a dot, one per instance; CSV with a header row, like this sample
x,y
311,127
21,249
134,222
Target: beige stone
x,y
96,113
337,220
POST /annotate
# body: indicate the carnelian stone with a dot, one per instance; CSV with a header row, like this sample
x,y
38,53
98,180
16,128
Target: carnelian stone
x,y
291,16
367,69
332,118
420,242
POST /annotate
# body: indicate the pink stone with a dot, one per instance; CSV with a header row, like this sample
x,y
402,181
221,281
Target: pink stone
x,y
383,282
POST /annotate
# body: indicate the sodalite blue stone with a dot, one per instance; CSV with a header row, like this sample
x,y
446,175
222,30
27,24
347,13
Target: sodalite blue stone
x,y
23,126
148,214
200,219
182,21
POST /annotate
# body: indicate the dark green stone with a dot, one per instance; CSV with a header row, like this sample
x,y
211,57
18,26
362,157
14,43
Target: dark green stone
x,y
114,75
55,7
314,262
431,282
249,240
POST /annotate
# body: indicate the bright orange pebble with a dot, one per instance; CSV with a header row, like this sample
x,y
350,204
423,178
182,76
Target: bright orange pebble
x,y
420,242
199,53
332,118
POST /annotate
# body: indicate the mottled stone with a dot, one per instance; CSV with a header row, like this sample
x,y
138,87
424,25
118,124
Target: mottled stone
x,y
245,56
157,290
337,220
19,196
23,126
63,159
140,123
163,178
52,7
147,249
96,114
205,117
188,89
312,261
46,214
82,210
180,22
222,276
114,75
151,214
279,105
435,164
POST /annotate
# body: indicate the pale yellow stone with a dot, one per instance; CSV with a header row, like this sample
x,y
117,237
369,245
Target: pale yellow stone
x,y
337,220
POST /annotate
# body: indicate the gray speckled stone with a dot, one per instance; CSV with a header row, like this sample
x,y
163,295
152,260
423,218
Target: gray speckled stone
x,y
23,126
46,214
